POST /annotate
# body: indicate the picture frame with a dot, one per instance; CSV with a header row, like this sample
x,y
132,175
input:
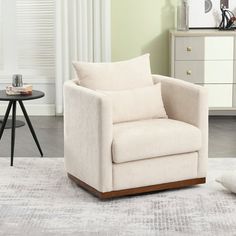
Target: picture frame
x,y
206,14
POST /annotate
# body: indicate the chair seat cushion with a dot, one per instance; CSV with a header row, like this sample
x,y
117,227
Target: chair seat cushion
x,y
153,138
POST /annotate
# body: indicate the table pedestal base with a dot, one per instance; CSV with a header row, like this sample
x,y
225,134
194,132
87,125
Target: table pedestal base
x,y
12,106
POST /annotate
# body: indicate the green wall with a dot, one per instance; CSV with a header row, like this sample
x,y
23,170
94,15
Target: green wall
x,y
141,26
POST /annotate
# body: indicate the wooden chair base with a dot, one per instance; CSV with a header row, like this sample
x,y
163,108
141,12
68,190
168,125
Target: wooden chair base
x,y
140,190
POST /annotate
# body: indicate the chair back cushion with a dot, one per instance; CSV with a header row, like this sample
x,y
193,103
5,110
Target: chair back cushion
x,y
137,104
134,73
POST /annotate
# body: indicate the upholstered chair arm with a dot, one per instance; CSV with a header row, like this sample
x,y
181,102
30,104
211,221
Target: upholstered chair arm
x,y
188,103
88,136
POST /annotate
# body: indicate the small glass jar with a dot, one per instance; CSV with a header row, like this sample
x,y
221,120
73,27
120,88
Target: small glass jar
x,y
183,16
17,80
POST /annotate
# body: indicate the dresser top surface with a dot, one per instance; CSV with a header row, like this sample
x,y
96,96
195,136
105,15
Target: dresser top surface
x,y
202,32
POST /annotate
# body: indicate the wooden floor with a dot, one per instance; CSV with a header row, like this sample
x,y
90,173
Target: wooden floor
x,y
222,138
49,131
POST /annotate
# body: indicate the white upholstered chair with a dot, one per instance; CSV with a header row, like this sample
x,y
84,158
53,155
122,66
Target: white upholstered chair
x,y
127,158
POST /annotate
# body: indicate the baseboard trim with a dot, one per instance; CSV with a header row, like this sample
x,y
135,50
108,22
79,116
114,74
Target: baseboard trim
x,y
140,190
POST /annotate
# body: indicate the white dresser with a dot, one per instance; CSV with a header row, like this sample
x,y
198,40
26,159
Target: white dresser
x,y
207,58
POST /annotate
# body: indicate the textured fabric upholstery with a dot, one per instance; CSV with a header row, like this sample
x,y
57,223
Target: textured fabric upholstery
x,y
134,73
188,103
153,138
137,104
155,171
89,140
88,136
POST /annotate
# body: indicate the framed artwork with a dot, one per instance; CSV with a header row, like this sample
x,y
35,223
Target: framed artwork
x,y
207,13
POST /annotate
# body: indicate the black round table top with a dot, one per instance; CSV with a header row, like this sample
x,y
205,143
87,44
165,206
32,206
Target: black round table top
x,y
35,94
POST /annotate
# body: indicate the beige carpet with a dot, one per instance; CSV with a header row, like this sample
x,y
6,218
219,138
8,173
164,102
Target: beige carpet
x,y
36,198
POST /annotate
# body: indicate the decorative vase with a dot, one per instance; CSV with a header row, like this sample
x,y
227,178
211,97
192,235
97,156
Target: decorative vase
x,y
183,16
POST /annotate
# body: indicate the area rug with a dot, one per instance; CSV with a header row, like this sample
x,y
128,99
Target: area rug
x,y
37,198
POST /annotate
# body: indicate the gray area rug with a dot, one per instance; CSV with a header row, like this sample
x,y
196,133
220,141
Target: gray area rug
x,y
37,198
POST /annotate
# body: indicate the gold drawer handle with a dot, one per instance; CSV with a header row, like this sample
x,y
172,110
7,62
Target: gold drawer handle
x,y
189,72
189,49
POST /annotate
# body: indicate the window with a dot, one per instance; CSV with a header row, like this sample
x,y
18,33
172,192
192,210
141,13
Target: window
x,y
1,37
28,38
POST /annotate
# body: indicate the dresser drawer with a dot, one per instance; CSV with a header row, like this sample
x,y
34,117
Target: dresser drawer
x,y
189,48
217,72
220,95
191,71
219,48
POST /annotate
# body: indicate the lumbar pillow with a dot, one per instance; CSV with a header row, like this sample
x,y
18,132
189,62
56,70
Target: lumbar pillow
x,y
228,180
134,73
137,104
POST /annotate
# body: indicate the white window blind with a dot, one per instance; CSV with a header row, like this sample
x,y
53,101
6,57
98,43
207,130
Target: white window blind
x,y
32,37
35,35
1,37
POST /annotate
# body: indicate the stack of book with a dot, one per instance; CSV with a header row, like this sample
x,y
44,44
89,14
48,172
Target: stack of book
x,y
24,90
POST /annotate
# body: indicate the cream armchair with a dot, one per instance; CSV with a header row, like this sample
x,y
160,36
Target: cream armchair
x,y
166,153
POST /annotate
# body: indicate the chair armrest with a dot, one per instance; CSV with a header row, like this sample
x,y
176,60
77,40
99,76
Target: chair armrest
x,y
184,101
88,136
188,103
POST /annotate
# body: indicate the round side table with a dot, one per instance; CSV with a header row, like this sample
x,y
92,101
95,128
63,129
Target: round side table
x,y
12,103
